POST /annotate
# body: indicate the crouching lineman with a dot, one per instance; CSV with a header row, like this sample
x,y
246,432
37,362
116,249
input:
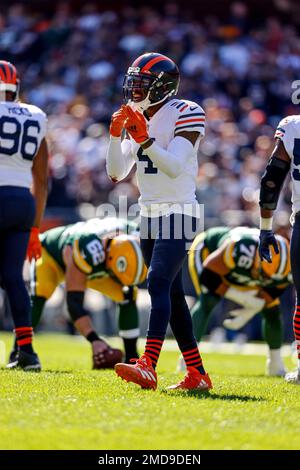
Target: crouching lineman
x,y
225,263
101,254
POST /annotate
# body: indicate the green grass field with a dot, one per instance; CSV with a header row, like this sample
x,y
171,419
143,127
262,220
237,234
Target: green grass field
x,y
69,406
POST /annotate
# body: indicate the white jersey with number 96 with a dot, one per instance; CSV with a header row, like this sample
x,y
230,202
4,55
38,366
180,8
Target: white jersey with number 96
x,y
22,128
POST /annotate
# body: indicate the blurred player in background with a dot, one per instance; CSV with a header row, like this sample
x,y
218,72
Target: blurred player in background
x,y
285,157
163,135
23,194
101,254
224,263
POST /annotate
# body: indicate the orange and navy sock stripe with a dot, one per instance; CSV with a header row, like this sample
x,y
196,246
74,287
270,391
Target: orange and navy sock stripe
x,y
153,348
24,335
192,357
296,325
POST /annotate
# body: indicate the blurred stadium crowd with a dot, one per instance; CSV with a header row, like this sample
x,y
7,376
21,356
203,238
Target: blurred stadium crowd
x,y
72,66
239,68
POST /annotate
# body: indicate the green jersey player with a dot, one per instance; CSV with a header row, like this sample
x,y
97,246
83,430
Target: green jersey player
x,y
224,263
101,254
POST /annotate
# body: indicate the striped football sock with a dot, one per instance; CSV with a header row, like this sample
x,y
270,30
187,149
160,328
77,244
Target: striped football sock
x,y
153,348
296,326
192,357
24,338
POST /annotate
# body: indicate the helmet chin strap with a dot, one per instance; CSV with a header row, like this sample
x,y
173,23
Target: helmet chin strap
x,y
143,105
140,106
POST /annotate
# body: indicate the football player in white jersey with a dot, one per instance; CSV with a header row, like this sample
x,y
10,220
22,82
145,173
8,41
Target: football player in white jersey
x,y
285,158
162,139
23,192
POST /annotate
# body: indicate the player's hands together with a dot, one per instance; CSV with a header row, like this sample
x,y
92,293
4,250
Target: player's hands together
x,y
135,125
34,249
267,239
117,122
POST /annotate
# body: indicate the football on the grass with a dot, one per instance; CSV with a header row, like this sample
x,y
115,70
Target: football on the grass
x,y
108,359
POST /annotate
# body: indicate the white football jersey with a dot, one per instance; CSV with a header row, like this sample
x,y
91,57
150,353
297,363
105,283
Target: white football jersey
x,y
22,128
158,190
288,131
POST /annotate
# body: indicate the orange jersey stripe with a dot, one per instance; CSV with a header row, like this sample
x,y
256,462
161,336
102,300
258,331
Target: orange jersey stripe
x,y
184,107
189,120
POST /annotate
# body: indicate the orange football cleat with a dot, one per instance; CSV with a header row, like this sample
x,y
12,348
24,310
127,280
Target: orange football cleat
x,y
141,373
193,381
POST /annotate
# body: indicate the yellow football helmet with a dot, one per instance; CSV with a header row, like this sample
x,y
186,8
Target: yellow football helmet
x,y
125,261
281,265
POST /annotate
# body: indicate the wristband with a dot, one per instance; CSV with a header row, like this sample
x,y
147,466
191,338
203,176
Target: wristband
x,y
266,223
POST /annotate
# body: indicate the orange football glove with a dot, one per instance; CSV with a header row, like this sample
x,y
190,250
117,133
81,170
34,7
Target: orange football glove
x,y
135,125
117,122
34,249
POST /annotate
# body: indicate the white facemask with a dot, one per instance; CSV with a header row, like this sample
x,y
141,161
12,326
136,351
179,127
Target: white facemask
x,y
142,106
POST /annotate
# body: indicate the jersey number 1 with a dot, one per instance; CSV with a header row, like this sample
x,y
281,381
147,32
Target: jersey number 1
x,y
150,169
18,141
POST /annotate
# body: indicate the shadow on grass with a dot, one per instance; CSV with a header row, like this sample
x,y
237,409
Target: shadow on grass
x,y
212,396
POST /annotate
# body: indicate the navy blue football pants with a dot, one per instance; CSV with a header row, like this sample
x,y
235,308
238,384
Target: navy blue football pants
x,y
164,255
17,212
